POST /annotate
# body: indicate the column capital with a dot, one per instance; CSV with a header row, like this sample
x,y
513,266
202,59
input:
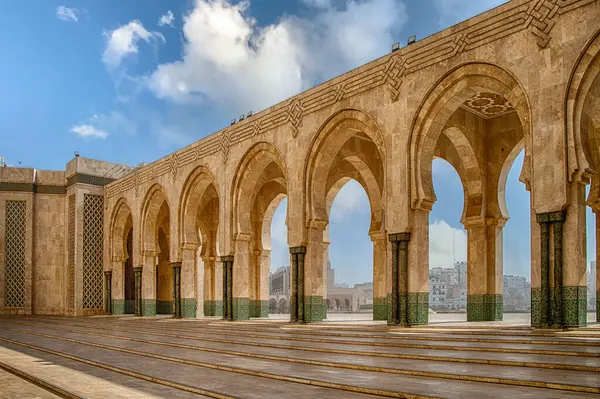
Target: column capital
x,y
189,246
108,272
227,258
150,253
399,237
317,224
298,250
549,217
243,237
137,269
377,236
176,265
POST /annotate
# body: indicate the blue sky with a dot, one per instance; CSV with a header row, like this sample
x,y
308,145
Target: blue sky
x,y
131,81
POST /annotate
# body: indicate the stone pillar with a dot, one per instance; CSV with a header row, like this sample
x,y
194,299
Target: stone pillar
x,y
208,263
188,281
573,248
418,272
262,307
536,270
476,269
176,267
313,280
218,284
149,283
400,297
297,310
227,262
240,293
326,283
137,271
493,299
108,292
380,310
117,305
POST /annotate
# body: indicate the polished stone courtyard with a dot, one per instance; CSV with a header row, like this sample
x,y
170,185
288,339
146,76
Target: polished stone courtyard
x,y
128,357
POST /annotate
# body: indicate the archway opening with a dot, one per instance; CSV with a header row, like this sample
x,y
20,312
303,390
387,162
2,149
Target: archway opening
x,y
447,245
592,238
279,264
164,276
348,251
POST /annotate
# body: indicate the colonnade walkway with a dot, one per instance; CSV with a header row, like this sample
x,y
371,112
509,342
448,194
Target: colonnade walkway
x,y
129,357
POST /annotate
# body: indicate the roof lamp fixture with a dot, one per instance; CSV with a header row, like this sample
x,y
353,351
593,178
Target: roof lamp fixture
x,y
76,154
242,116
249,115
232,122
395,47
412,39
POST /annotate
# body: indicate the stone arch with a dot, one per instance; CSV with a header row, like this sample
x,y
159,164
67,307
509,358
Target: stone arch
x,y
272,305
249,178
194,196
154,206
121,222
583,152
268,219
446,95
283,308
508,163
332,139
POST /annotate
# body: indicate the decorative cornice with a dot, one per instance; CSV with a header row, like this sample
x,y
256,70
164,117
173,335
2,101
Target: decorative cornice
x,y
54,189
388,72
81,178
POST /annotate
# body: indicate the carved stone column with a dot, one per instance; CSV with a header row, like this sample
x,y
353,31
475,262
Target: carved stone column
x,y
190,292
240,292
400,298
176,267
227,262
312,278
108,292
262,307
149,288
418,272
297,289
137,271
380,306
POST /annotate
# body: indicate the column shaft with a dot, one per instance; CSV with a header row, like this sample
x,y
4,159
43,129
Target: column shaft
x,y
294,287
108,292
176,267
395,284
230,290
545,266
558,272
138,290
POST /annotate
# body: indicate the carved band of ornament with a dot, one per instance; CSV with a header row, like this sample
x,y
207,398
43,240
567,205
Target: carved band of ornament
x,y
388,71
54,189
399,237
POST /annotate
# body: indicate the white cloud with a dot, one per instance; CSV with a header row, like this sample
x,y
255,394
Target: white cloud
x,y
114,122
124,41
89,131
455,11
67,14
352,198
230,60
442,236
166,19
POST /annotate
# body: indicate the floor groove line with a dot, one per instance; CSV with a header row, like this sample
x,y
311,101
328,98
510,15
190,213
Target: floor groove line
x,y
48,386
129,373
552,366
401,345
532,384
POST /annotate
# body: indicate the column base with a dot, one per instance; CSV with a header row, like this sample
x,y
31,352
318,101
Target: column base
x,y
314,309
574,304
240,309
118,306
148,307
484,307
259,308
188,308
381,309
213,308
418,308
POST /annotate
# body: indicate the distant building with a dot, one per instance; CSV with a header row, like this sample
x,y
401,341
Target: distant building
x,y
279,281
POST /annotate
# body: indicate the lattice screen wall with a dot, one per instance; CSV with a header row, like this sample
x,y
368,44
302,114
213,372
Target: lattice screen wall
x,y
14,253
93,223
71,255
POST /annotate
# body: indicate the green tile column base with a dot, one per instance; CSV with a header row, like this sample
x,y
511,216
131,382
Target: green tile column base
x,y
536,307
380,308
418,308
188,308
213,308
164,307
574,303
259,308
118,306
484,307
324,310
313,309
598,306
240,308
148,307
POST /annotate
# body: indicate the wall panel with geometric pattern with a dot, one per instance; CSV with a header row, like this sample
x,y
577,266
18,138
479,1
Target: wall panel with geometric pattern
x,y
93,222
71,255
15,240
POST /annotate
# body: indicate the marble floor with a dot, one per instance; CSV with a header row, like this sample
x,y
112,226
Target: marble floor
x,y
347,356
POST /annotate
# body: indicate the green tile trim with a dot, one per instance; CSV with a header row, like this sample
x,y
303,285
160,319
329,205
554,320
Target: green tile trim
x,y
259,308
164,307
324,310
118,306
484,307
313,309
213,308
418,308
574,304
380,308
148,307
129,306
240,308
188,308
536,306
